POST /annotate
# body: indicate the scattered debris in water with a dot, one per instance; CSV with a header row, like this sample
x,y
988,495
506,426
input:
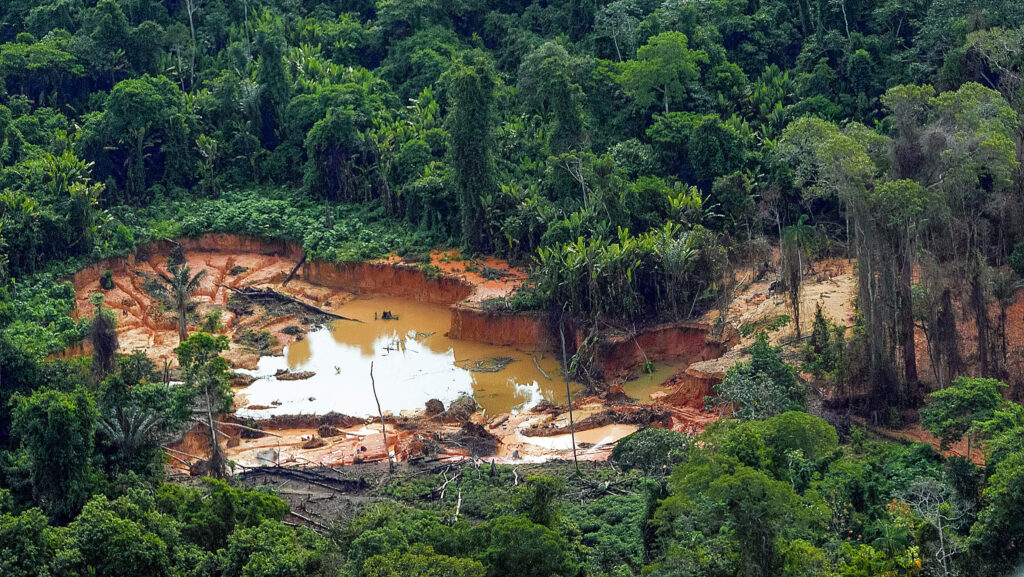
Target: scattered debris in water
x,y
492,365
295,376
257,342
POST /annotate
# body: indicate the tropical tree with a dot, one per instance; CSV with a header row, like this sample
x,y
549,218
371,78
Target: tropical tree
x,y
954,411
206,372
547,86
176,289
796,240
759,389
129,429
471,84
103,336
141,137
57,430
334,146
664,70
934,503
421,561
619,21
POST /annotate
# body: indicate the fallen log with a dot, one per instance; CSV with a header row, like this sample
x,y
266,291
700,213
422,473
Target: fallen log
x,y
253,294
537,364
247,428
307,520
198,458
180,460
298,265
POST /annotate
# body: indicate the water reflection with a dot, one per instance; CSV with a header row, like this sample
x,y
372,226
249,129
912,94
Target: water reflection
x,y
413,361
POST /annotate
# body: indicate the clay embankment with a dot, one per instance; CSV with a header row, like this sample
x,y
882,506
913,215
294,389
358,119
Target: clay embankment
x,y
228,261
387,278
621,356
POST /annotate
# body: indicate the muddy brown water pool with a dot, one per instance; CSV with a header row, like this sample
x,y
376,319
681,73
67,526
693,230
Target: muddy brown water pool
x,y
647,384
413,362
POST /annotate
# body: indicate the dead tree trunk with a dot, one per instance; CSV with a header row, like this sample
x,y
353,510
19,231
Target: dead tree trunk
x,y
383,426
568,395
216,458
298,265
906,312
978,305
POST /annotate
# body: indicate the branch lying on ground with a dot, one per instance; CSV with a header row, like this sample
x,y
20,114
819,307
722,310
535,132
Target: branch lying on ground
x,y
255,295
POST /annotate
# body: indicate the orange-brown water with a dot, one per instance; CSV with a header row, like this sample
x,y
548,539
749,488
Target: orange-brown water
x,y
647,384
413,361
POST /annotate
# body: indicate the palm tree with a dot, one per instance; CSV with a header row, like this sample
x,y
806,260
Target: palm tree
x,y
129,430
1005,287
176,289
795,239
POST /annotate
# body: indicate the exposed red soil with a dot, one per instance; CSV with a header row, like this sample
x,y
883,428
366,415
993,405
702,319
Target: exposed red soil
x,y
387,278
916,434
466,285
528,331
502,282
142,325
621,356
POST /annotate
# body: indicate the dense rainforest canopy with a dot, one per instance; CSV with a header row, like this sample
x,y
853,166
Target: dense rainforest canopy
x,y
636,155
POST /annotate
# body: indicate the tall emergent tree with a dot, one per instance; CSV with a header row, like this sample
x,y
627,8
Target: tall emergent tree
x,y
547,86
664,70
471,84
906,203
57,430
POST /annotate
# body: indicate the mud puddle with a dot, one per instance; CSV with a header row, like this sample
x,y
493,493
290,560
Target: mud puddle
x,y
592,443
413,362
641,388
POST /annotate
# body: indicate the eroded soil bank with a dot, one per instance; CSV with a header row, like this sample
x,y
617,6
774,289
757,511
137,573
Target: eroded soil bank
x,y
462,288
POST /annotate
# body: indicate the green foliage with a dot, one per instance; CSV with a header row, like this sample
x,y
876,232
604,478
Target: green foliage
x,y
471,86
212,323
204,368
538,500
56,429
25,546
270,549
653,451
140,138
1016,260
421,561
768,324
953,412
516,547
209,515
633,277
121,538
136,413
995,537
175,290
632,150
761,388
826,349
103,336
699,147
663,72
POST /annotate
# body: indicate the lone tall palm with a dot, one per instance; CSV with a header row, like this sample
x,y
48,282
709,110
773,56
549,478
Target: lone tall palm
x,y
176,289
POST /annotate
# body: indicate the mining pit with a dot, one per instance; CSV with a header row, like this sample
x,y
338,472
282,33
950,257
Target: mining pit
x,y
455,378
